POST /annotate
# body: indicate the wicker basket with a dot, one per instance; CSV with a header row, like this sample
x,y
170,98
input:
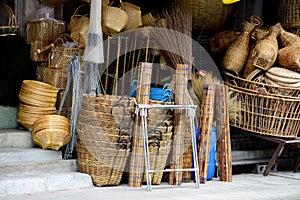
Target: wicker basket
x,y
221,41
12,27
209,16
56,77
264,112
61,56
289,14
35,46
104,137
44,30
134,15
51,132
113,20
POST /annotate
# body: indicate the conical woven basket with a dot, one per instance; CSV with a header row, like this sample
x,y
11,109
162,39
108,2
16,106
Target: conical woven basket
x,y
51,132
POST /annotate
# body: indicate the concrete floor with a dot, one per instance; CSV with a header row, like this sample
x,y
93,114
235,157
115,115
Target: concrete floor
x,y
277,185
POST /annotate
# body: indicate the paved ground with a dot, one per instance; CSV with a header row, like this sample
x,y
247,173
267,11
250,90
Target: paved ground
x,y
278,185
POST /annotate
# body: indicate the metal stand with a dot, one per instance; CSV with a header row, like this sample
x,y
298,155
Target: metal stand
x,y
142,109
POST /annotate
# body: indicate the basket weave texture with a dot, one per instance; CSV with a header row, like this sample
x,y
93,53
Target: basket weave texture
x,y
265,109
51,132
104,131
113,20
288,14
37,99
209,16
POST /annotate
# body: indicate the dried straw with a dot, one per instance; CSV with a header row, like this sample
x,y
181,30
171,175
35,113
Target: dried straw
x,y
180,20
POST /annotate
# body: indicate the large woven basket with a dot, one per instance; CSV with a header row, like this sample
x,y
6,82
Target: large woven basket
x,y
209,16
104,128
265,109
51,132
288,13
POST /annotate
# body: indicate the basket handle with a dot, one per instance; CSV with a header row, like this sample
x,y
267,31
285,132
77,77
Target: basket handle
x,y
11,17
155,144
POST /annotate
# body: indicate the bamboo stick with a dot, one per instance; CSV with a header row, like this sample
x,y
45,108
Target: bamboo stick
x,y
206,123
137,154
180,91
223,133
107,65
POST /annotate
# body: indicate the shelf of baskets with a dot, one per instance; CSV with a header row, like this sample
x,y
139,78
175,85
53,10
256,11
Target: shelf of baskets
x,y
142,110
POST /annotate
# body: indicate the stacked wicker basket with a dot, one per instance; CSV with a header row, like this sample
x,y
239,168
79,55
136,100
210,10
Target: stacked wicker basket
x,y
104,129
37,99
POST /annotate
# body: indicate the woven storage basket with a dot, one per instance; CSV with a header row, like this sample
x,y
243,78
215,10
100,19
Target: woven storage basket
x,y
51,132
263,112
221,41
148,19
44,30
27,115
134,15
209,16
56,77
35,46
37,93
288,13
39,73
61,56
12,27
104,137
113,20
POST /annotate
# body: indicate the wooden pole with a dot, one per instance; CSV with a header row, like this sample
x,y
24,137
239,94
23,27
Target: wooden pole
x,y
137,155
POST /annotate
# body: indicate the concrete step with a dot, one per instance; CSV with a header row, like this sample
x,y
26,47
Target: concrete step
x,y
15,138
11,155
17,168
43,182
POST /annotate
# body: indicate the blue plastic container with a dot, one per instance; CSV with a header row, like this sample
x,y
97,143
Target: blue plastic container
x,y
159,94
212,155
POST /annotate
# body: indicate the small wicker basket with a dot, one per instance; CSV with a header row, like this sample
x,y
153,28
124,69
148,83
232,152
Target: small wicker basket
x,y
134,15
113,20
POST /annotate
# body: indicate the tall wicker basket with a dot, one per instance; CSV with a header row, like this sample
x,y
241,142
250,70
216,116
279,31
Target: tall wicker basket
x,y
104,137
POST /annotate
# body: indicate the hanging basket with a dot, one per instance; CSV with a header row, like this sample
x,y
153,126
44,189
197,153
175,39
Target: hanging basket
x,y
113,20
12,27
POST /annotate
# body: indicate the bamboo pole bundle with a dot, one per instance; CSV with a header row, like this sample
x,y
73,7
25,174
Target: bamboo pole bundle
x,y
206,122
180,91
223,133
137,154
